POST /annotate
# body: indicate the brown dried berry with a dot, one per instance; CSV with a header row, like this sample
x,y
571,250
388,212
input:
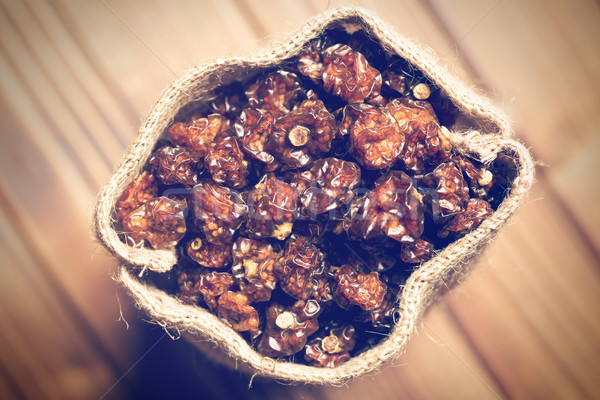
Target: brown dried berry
x,y
479,177
193,283
160,221
360,289
477,210
332,185
277,93
395,80
272,208
310,60
416,252
348,75
254,128
208,254
331,350
188,291
449,192
375,137
227,164
303,134
200,133
287,329
218,211
393,208
235,309
302,271
253,267
382,316
141,190
176,165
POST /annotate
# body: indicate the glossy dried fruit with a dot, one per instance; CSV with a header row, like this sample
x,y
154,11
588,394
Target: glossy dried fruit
x,y
355,288
303,134
141,190
196,283
234,308
395,80
254,128
419,251
176,165
273,208
477,210
449,193
208,254
160,221
332,350
348,75
393,208
480,178
254,268
375,137
310,60
302,271
227,164
218,211
277,93
200,133
287,329
382,316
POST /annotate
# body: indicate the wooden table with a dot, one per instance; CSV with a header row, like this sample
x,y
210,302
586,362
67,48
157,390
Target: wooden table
x,y
76,79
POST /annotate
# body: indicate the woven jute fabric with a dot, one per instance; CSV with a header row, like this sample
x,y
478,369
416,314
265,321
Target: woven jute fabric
x,y
427,283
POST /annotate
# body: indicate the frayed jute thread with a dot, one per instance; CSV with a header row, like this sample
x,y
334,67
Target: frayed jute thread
x,y
425,284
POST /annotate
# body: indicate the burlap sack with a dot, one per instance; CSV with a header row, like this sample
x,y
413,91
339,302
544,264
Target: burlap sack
x,y
426,283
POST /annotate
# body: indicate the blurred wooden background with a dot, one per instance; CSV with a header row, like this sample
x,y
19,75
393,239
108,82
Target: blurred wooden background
x,y
78,76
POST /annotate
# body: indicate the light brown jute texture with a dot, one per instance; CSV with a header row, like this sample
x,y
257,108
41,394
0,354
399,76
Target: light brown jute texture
x,y
426,283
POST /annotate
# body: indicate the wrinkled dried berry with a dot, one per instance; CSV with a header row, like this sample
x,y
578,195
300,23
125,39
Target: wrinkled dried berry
x,y
416,252
287,329
227,164
273,208
254,128
347,74
395,80
235,309
360,289
160,221
195,283
332,350
277,93
303,134
382,316
449,193
200,133
480,178
218,211
254,268
310,60
141,190
477,210
176,165
393,208
209,255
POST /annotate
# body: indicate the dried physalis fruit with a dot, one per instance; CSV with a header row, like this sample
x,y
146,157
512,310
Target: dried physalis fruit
x,y
254,268
375,137
416,252
226,163
395,80
208,254
302,271
200,133
234,308
254,128
382,316
287,329
479,177
348,75
193,283
360,289
277,93
141,190
477,210
218,211
332,185
310,60
273,208
449,192
160,221
426,141
303,134
331,350
176,165
393,208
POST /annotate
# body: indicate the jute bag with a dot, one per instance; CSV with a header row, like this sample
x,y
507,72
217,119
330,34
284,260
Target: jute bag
x,y
426,284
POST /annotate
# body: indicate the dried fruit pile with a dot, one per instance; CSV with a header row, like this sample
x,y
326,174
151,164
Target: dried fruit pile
x,y
300,199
